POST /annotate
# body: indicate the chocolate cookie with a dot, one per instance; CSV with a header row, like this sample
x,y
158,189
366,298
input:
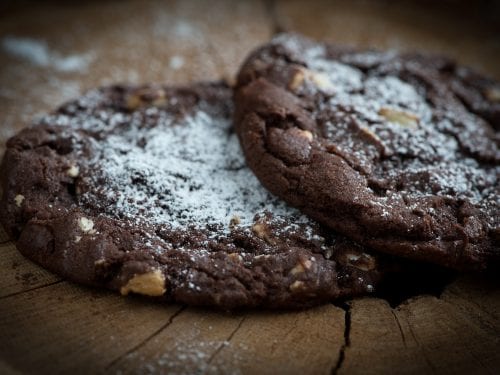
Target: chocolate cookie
x,y
396,151
145,190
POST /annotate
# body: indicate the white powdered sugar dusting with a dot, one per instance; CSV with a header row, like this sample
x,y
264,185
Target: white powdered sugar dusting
x,y
38,53
187,172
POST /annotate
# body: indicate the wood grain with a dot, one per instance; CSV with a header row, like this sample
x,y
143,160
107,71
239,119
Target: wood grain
x,y
19,274
48,325
450,341
289,343
66,328
377,343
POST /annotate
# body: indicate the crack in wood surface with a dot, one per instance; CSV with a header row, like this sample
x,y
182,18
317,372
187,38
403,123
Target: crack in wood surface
x,y
144,341
347,339
31,289
399,327
225,343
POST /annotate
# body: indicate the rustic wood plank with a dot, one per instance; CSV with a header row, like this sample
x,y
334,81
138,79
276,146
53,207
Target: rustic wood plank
x,y
64,328
307,342
185,346
376,342
449,341
264,343
6,369
457,30
4,238
477,298
20,274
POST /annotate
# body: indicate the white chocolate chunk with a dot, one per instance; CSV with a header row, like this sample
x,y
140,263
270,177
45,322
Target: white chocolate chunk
x,y
73,171
86,225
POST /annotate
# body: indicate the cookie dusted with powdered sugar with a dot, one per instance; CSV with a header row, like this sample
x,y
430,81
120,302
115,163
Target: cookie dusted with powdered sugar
x,y
396,151
145,190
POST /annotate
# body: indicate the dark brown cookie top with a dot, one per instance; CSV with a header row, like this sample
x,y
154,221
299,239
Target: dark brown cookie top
x,y
396,151
145,190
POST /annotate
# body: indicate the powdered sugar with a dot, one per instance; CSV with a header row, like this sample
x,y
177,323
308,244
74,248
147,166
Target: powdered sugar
x,y
38,53
179,173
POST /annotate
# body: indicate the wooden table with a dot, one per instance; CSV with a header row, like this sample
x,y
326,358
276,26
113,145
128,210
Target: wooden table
x,y
53,51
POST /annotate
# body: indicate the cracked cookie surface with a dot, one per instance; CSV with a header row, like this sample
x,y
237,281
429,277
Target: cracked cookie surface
x,y
396,151
145,190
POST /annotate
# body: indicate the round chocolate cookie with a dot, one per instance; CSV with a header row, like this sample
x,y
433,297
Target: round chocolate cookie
x,y
145,190
396,151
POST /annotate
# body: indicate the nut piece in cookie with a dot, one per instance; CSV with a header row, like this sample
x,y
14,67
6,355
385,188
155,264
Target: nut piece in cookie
x,y
235,221
320,80
297,80
262,231
19,199
146,96
301,267
306,134
493,94
405,119
297,286
149,284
